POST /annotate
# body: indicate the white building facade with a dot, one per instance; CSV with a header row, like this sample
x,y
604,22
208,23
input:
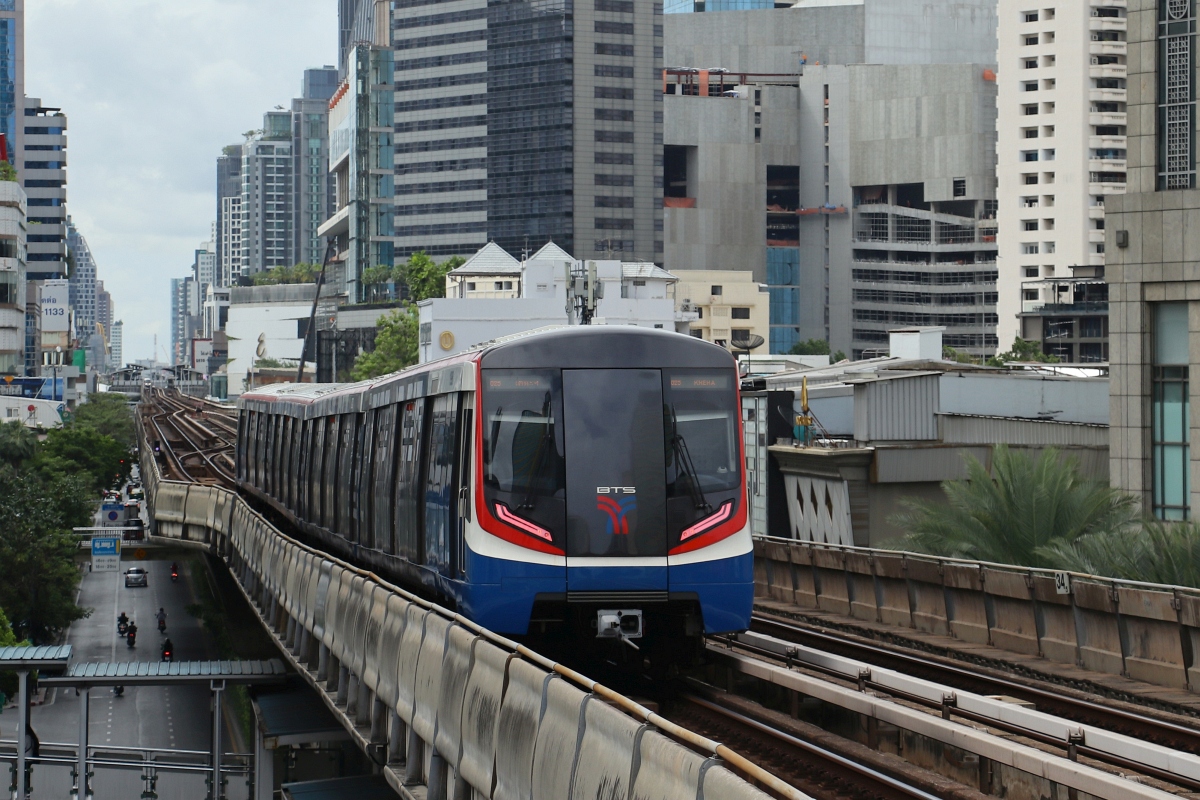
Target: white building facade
x,y
1061,150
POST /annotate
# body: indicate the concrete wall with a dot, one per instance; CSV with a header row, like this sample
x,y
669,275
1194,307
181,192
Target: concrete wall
x,y
1062,399
277,323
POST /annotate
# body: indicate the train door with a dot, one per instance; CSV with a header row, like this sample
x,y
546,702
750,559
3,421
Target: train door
x,y
616,495
440,500
466,437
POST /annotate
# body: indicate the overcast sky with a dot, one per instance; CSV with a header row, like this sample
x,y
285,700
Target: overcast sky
x,y
152,90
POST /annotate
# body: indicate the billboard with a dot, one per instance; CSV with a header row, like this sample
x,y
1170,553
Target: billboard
x,y
202,351
56,306
106,554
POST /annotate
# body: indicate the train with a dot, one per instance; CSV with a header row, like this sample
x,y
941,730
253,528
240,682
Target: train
x,y
585,483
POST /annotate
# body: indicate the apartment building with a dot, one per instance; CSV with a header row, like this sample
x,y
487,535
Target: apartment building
x,y
44,176
1061,151
82,283
13,329
313,186
228,238
12,76
268,235
730,307
523,122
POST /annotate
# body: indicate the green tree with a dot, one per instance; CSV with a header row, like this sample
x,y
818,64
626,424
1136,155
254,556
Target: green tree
x,y
108,413
76,449
424,277
373,278
395,345
7,171
1154,552
17,443
1016,513
1023,350
812,347
299,273
38,578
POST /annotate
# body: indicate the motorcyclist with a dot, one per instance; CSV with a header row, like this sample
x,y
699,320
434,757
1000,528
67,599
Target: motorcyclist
x,y
168,649
161,616
131,631
123,618
174,567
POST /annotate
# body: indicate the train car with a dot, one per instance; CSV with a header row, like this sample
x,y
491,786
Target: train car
x,y
585,481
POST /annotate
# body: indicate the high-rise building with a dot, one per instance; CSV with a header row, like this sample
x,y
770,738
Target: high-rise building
x,y
44,176
313,202
521,123
855,175
1061,142
1152,266
104,307
356,25
116,345
360,160
83,283
689,6
12,76
228,238
268,238
13,329
204,266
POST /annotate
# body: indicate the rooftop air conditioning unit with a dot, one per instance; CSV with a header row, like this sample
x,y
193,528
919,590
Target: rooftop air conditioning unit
x,y
1095,60
1095,37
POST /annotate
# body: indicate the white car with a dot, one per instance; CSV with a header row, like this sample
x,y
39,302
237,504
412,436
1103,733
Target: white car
x,y
136,576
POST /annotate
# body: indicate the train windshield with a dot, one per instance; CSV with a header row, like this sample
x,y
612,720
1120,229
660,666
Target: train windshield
x,y
703,454
523,467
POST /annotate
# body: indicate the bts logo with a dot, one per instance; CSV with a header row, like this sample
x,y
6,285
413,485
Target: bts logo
x,y
617,508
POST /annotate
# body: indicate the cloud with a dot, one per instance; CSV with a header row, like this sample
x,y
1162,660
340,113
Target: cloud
x,y
152,90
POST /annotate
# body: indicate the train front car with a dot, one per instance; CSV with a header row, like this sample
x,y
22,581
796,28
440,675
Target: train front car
x,y
610,491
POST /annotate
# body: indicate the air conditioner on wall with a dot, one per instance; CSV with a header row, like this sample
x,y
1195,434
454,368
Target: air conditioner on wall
x,y
1095,60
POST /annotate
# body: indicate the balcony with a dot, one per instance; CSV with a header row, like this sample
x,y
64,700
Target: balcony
x,y
1108,71
1096,237
1108,48
1106,187
1108,142
1107,95
1108,118
1108,24
1107,165
1096,212
1108,3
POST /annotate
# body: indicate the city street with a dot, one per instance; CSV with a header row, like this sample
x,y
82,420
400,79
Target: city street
x,y
146,717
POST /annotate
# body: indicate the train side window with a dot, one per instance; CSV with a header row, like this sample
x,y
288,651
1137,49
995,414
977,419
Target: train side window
x,y
297,460
407,491
276,444
305,469
345,462
362,480
317,471
440,502
333,443
285,454
383,468
241,448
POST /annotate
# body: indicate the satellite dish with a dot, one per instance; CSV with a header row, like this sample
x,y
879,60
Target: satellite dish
x,y
749,343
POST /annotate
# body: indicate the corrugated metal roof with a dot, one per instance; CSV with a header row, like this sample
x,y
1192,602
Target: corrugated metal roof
x,y
33,656
978,429
492,259
898,409
106,673
294,712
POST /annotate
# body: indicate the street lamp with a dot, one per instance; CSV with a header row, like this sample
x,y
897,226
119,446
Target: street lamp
x,y
57,359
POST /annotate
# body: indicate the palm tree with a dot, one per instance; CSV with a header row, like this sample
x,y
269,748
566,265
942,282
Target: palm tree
x,y
1156,552
17,443
1014,514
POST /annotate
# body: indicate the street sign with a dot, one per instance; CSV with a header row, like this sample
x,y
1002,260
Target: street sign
x,y
112,514
106,554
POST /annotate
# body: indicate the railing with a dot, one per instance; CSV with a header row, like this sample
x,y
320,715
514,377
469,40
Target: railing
x,y
1144,631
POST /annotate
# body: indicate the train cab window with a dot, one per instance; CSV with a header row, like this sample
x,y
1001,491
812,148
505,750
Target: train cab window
x,y
703,453
523,466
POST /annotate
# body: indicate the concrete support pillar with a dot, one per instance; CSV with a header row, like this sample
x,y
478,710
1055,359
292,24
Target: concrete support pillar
x,y
364,707
322,663
351,697
334,673
82,790
378,720
437,777
24,735
343,685
264,768
290,636
218,745
412,761
397,739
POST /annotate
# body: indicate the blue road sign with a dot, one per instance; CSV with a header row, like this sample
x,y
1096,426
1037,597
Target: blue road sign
x,y
106,546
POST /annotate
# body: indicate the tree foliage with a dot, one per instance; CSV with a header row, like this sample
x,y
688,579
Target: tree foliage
x,y
18,444
99,459
424,277
1022,350
300,273
7,171
1017,513
811,347
108,413
395,345
37,550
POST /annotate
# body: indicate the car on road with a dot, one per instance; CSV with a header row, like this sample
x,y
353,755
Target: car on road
x,y
136,576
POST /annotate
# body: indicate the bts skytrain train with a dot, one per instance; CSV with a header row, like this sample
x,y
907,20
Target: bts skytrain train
x,y
585,481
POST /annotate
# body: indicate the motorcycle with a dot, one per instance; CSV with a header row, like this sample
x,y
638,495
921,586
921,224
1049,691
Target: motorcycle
x,y
162,626
131,639
121,628
118,690
167,656
174,576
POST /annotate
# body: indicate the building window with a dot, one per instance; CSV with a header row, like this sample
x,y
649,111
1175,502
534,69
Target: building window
x,y
1031,272
741,313
960,187
1031,16
1169,448
1176,94
1030,40
716,290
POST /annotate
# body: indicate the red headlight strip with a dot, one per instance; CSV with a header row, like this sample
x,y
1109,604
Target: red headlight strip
x,y
504,515
711,521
